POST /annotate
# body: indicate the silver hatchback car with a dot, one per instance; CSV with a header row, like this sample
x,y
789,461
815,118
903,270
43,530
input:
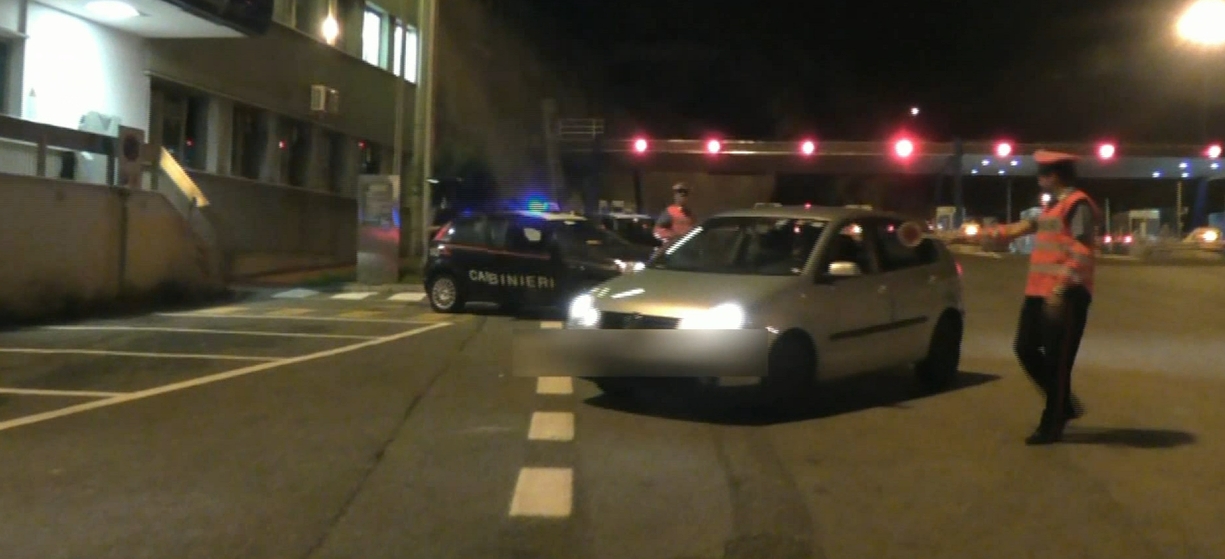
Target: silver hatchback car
x,y
837,291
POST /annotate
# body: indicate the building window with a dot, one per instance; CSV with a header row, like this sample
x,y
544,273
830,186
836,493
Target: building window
x,y
372,37
397,48
371,158
295,148
6,51
247,147
181,124
410,54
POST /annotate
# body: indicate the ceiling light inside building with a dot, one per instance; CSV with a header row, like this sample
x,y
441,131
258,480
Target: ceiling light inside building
x,y
111,9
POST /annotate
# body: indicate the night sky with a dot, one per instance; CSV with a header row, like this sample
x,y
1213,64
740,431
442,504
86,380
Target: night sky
x,y
1077,70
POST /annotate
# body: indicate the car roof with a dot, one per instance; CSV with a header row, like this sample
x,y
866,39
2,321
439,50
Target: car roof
x,y
627,215
548,216
826,213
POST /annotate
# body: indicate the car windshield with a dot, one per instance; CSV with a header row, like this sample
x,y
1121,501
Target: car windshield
x,y
579,236
764,246
635,230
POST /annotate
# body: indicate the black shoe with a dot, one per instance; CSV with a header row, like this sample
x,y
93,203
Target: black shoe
x,y
1045,435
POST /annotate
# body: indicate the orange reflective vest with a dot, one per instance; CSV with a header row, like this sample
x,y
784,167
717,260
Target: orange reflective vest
x,y
681,224
1058,259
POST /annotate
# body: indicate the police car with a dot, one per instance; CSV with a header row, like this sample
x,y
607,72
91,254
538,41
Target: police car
x,y
838,291
523,259
633,227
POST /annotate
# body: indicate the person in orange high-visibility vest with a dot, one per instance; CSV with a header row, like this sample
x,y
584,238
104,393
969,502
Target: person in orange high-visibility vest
x,y
677,220
1058,290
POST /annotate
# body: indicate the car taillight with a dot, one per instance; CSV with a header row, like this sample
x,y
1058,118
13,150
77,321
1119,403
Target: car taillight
x,y
958,268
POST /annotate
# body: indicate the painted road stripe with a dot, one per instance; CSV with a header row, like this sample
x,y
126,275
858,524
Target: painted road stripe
x,y
65,393
289,312
543,492
554,385
223,310
199,381
551,426
211,331
410,297
266,317
354,296
51,351
296,294
551,325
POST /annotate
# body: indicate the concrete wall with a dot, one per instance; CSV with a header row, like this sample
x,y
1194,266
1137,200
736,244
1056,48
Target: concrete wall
x,y
711,193
275,72
62,244
262,228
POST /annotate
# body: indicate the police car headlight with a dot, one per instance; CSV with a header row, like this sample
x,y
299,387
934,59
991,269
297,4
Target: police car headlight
x,y
728,316
583,312
629,267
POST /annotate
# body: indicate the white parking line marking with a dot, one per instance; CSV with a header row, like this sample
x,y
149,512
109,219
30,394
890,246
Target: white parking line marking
x,y
551,426
411,297
545,492
266,317
66,393
551,325
554,385
211,331
199,381
296,294
355,296
50,351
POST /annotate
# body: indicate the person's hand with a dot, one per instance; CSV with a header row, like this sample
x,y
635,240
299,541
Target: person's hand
x,y
1054,306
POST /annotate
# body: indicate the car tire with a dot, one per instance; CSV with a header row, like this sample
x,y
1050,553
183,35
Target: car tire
x,y
940,368
445,293
791,369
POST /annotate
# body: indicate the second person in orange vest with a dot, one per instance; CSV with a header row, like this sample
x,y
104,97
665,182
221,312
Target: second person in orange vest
x,y
1058,290
677,220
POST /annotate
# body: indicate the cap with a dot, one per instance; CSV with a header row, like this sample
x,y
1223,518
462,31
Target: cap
x,y
1047,157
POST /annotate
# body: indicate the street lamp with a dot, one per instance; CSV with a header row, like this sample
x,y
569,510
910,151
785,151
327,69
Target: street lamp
x,y
1204,23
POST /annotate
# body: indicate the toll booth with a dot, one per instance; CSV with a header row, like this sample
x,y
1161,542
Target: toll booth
x,y
1025,245
1144,224
946,217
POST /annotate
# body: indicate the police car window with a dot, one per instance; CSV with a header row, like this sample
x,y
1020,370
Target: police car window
x,y
849,246
580,236
897,256
526,236
745,245
471,231
498,228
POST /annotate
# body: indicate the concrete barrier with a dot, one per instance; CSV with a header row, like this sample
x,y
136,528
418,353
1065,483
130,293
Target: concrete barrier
x,y
74,248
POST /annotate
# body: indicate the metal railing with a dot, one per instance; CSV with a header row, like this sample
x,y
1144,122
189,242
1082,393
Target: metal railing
x,y
37,141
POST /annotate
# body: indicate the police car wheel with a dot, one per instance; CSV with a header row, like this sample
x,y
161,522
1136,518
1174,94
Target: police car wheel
x,y
943,361
445,294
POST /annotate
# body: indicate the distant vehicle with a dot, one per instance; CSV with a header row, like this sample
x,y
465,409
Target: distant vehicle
x,y
523,259
633,227
836,290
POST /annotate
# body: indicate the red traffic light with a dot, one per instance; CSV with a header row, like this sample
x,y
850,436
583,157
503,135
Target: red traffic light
x,y
640,145
808,147
1003,149
903,148
713,146
1214,151
1105,151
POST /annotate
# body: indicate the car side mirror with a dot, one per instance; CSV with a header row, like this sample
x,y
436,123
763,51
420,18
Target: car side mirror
x,y
844,269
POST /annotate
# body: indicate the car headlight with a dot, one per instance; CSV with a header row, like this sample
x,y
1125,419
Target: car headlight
x,y
728,316
628,267
583,312
1211,236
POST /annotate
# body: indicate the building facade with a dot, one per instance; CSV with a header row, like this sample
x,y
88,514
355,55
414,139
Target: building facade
x,y
226,100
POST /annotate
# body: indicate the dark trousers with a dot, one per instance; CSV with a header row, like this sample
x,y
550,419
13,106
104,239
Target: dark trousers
x,y
1047,349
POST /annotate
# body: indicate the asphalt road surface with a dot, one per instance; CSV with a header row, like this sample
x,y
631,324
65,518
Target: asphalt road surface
x,y
308,426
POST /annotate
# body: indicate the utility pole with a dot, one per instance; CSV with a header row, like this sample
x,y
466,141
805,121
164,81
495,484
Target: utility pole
x,y
423,125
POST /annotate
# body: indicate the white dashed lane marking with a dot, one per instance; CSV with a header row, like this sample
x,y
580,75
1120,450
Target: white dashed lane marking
x,y
62,393
135,354
554,385
551,426
543,492
296,294
551,325
211,331
354,296
411,297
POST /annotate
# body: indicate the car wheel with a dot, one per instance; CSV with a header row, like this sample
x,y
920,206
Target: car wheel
x,y
446,296
791,371
943,362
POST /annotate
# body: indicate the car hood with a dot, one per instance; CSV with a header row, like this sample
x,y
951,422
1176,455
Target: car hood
x,y
606,255
672,293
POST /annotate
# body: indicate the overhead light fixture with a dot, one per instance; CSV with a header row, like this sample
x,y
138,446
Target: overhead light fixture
x,y
112,9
